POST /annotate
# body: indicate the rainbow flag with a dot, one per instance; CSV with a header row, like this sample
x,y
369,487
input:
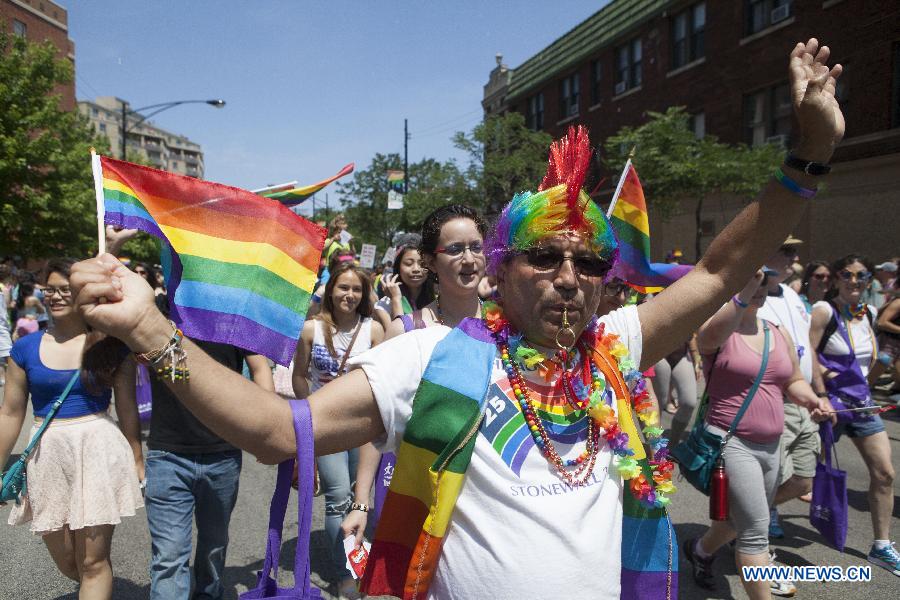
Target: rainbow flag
x,y
628,215
298,195
239,269
395,176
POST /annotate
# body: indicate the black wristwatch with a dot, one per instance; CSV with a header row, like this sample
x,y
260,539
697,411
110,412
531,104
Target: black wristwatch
x,y
808,167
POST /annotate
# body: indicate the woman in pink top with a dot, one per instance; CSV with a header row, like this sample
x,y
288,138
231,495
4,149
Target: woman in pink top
x,y
732,342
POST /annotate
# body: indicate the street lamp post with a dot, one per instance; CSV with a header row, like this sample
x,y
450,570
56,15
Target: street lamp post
x,y
159,108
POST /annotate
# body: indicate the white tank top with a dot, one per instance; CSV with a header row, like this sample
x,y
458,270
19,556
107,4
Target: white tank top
x,y
322,365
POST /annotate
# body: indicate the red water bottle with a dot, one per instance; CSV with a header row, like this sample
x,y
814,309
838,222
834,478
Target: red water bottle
x,y
718,493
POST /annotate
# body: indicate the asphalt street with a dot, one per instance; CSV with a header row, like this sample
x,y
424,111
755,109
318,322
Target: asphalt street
x,y
26,570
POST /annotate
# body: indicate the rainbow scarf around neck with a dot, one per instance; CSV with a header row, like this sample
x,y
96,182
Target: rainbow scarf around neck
x,y
431,465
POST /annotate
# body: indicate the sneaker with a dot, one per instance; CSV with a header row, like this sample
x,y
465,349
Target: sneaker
x,y
775,530
701,568
886,557
781,587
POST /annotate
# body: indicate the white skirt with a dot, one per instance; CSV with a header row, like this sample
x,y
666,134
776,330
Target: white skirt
x,y
81,474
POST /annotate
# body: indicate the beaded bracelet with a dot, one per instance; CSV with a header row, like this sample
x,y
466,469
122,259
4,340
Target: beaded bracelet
x,y
792,186
152,357
740,303
170,360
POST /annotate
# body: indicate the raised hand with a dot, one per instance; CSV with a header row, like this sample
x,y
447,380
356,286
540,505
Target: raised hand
x,y
812,94
115,300
116,238
391,285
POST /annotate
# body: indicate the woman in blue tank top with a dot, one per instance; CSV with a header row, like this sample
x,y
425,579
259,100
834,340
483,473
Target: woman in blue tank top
x,y
84,475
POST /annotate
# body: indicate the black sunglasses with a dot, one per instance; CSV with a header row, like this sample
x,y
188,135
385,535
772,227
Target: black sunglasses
x,y
547,259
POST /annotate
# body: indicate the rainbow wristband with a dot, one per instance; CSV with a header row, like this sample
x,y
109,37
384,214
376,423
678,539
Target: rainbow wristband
x,y
739,302
792,186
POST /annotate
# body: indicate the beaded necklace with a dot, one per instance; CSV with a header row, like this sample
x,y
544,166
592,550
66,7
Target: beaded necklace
x,y
855,312
596,402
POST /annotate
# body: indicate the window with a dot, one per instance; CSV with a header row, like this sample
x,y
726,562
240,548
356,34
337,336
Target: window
x,y
596,76
767,115
534,112
628,66
697,123
94,112
687,35
763,13
102,127
19,28
568,96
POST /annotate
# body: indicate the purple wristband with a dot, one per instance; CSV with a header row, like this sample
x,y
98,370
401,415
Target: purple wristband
x,y
740,303
792,186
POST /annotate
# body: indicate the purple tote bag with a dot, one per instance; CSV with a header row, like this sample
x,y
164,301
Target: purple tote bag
x,y
267,584
828,509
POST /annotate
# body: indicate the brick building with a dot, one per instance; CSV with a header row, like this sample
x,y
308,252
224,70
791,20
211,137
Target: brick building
x,y
726,63
39,21
161,148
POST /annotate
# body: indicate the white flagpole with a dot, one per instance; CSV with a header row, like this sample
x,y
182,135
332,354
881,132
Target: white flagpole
x,y
97,169
276,188
615,197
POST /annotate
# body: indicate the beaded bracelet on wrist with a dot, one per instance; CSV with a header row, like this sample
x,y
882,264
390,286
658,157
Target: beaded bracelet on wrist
x,y
170,360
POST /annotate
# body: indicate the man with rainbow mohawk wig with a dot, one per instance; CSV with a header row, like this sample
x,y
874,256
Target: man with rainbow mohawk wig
x,y
521,472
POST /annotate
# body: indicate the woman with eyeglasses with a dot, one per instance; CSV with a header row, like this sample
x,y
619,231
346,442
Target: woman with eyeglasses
x,y
407,289
85,473
453,248
815,283
844,337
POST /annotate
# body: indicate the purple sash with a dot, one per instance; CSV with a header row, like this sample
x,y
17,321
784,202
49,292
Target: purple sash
x,y
143,393
267,584
849,389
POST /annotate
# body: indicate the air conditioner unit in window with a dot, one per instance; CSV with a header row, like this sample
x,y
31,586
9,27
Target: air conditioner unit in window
x,y
781,139
620,88
780,13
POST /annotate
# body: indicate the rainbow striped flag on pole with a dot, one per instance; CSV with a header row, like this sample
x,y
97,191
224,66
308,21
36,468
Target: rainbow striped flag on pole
x,y
628,215
296,196
239,269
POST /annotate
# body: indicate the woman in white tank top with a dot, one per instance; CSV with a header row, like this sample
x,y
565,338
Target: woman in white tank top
x,y
343,328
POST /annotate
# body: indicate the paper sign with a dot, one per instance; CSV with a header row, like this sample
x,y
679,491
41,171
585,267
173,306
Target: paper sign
x,y
345,237
389,256
395,200
367,256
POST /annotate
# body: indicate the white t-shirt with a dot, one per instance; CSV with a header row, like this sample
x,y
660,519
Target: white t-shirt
x,y
861,336
789,311
518,530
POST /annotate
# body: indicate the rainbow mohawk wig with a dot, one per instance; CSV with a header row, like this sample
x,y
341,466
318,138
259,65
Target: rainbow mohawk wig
x,y
559,206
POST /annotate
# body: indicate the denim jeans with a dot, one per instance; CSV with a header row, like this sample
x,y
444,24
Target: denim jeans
x,y
337,472
179,488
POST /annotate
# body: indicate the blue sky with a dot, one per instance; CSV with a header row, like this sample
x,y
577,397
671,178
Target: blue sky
x,y
309,86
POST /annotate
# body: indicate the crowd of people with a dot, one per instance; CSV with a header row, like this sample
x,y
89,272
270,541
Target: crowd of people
x,y
520,332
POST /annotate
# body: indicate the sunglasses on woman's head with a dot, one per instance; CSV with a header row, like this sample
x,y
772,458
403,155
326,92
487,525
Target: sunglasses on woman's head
x,y
862,276
548,259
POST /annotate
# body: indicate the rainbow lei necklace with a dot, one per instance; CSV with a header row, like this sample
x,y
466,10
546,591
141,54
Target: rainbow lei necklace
x,y
596,400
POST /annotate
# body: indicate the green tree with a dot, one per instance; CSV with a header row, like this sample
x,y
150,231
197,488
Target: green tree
x,y
675,165
47,204
364,199
505,157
